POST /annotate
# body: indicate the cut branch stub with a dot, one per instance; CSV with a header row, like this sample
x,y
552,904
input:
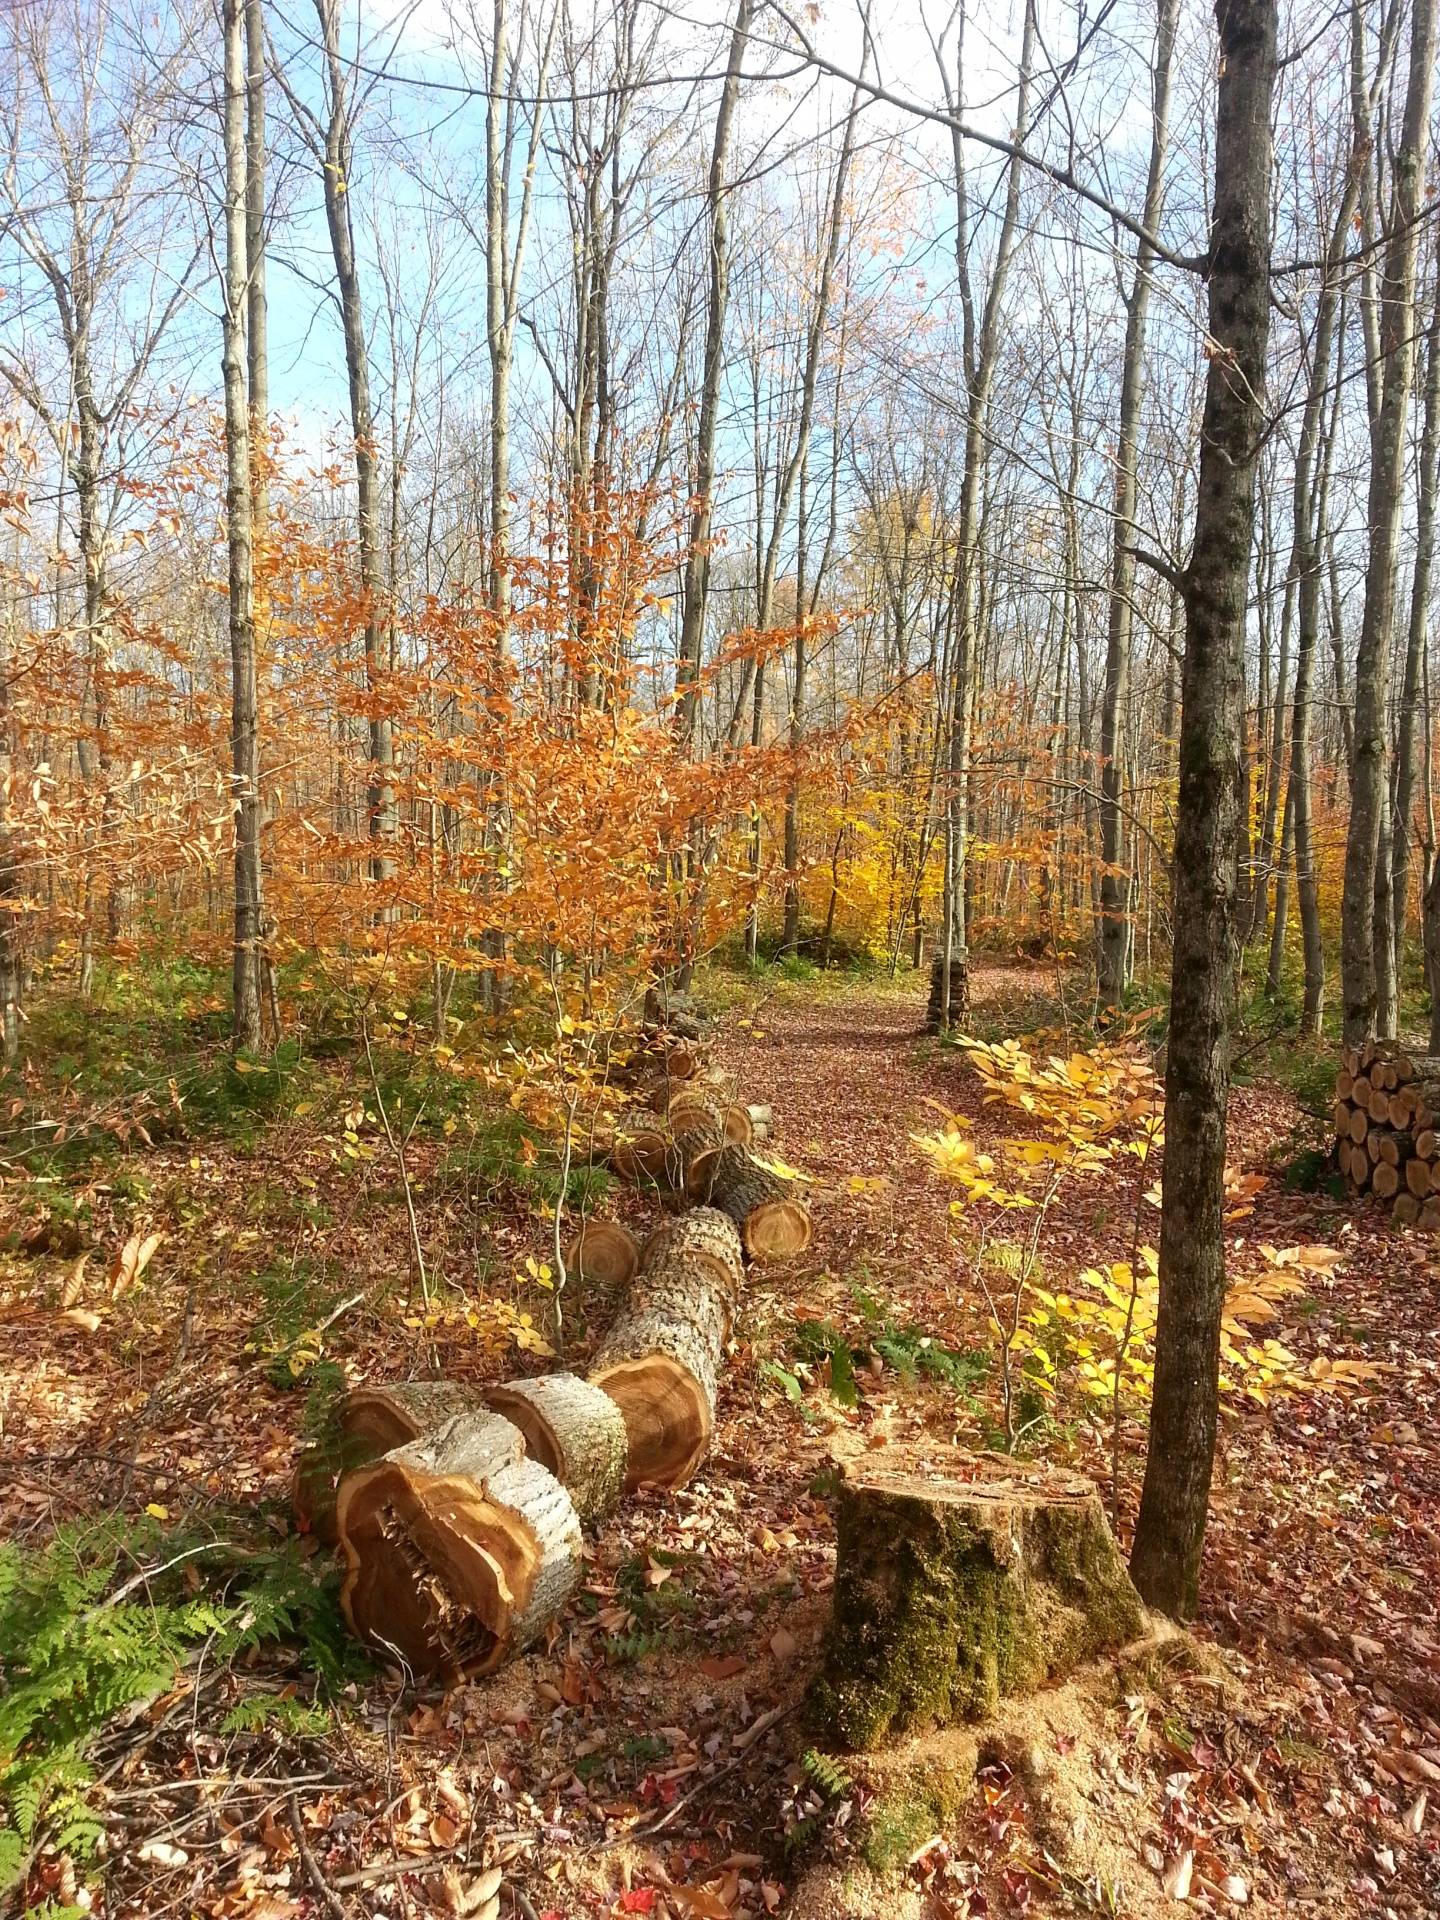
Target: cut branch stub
x,y
458,1549
575,1431
660,1371
953,1593
774,1222
602,1251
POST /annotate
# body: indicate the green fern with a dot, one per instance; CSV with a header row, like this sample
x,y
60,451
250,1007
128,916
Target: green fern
x,y
826,1773
261,1712
72,1659
631,1647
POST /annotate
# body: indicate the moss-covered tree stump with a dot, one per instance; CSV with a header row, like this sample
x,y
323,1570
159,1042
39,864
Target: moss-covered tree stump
x,y
952,1593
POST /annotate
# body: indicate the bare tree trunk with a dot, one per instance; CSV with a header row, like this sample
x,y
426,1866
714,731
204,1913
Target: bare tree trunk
x,y
337,168
1418,634
244,754
1113,962
950,992
695,590
1170,1532
1361,967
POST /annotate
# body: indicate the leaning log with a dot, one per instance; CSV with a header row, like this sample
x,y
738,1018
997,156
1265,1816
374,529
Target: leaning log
x,y
458,1549
953,1593
575,1431
774,1222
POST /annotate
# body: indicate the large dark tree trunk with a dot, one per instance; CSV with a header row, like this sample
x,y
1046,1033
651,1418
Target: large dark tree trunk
x,y
1171,1527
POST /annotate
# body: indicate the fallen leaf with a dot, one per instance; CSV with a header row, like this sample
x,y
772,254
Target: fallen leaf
x,y
1413,1767
720,1666
1178,1875
783,1644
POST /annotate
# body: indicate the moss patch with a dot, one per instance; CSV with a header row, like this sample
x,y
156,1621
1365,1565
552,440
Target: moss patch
x,y
908,1814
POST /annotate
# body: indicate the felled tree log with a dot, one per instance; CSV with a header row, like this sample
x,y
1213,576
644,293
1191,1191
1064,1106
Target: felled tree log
x,y
702,1235
660,1370
952,1593
690,1275
370,1422
774,1224
663,1088
458,1549
696,1118
575,1431
637,1149
602,1251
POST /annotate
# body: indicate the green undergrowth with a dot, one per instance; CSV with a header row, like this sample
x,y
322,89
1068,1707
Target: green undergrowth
x,y
105,1619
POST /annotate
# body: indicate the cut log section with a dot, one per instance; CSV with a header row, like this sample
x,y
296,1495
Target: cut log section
x,y
660,1371
638,1150
575,1431
663,1089
774,1223
602,1251
702,1235
458,1550
371,1421
954,1592
1384,1116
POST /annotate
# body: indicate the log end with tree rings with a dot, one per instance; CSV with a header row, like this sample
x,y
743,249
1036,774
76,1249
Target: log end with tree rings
x,y
957,1589
370,1421
574,1430
639,1151
660,1372
602,1251
458,1549
774,1222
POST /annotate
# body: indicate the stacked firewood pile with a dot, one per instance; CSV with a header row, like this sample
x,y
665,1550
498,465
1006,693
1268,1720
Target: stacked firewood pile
x,y
460,1510
1387,1129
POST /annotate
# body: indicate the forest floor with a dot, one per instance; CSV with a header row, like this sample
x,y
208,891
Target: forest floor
x,y
654,1759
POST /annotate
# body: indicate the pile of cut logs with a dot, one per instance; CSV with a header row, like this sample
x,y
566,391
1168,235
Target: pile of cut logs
x,y
459,1510
1387,1129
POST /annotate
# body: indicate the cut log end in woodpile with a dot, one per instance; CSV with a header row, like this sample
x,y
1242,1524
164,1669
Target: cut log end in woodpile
x,y
602,1251
575,1431
954,1592
774,1222
458,1549
1386,1142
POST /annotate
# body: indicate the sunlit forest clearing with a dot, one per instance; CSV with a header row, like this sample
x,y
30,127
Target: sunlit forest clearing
x,y
719,960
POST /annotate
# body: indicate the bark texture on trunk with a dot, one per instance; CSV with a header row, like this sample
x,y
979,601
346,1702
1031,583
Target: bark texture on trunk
x,y
575,1431
1367,976
1116,947
695,590
239,508
1171,1529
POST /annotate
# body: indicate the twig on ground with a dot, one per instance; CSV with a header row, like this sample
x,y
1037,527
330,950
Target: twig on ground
x,y
332,1901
